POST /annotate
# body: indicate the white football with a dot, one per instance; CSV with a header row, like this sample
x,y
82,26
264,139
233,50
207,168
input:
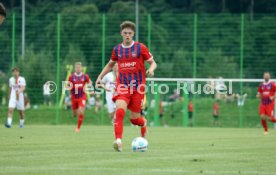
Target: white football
x,y
139,144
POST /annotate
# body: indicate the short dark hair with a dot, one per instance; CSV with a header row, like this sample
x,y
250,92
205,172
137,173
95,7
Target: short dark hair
x,y
127,24
15,69
3,10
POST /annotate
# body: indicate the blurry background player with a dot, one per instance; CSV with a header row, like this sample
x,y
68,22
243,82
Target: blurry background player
x,y
98,103
2,13
16,97
144,108
266,91
130,56
47,93
109,84
161,113
190,112
78,96
216,121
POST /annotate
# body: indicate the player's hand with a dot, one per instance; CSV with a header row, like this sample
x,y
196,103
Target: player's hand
x,y
150,72
98,83
272,98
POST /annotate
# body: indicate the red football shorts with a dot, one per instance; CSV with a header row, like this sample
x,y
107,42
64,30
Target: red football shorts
x,y
267,110
133,99
76,103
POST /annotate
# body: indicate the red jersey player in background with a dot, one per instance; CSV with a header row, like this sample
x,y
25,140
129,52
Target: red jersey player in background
x,y
130,56
216,114
190,112
78,82
266,91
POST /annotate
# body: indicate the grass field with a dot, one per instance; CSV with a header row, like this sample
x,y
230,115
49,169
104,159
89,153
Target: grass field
x,y
58,150
229,115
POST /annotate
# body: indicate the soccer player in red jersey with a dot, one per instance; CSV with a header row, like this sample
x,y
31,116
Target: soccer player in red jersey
x,y
77,82
131,80
216,114
266,91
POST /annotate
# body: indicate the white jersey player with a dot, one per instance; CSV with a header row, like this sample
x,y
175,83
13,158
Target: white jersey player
x,y
16,97
109,82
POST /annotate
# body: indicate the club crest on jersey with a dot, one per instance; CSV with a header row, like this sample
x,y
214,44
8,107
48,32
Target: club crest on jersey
x,y
133,54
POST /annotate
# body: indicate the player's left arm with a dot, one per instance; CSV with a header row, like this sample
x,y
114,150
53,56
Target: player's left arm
x,y
22,86
274,91
259,92
152,67
149,59
89,84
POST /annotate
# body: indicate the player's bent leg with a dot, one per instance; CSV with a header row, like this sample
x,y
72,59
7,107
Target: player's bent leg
x,y
270,112
137,119
121,106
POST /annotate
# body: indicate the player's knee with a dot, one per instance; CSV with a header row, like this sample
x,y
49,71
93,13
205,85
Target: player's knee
x,y
120,113
262,117
10,111
135,115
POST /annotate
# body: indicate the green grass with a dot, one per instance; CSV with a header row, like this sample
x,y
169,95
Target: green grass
x,y
58,150
229,115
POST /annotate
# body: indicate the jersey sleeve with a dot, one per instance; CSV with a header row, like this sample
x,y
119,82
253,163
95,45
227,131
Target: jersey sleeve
x,y
145,53
114,55
23,82
104,80
10,82
87,78
70,78
274,87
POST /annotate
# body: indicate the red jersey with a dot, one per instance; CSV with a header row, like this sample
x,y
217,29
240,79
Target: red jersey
x,y
216,109
78,82
131,68
267,90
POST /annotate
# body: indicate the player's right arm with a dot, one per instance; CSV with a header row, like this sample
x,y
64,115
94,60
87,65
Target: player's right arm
x,y
69,82
259,92
10,93
10,88
273,91
107,68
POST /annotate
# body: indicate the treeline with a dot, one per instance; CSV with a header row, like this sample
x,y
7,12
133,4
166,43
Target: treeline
x,y
217,50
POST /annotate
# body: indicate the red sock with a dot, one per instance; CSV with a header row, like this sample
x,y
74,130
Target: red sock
x,y
141,121
118,123
272,119
264,125
80,120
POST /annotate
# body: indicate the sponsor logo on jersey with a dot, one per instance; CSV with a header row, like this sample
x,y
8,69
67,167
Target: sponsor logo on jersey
x,y
126,65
